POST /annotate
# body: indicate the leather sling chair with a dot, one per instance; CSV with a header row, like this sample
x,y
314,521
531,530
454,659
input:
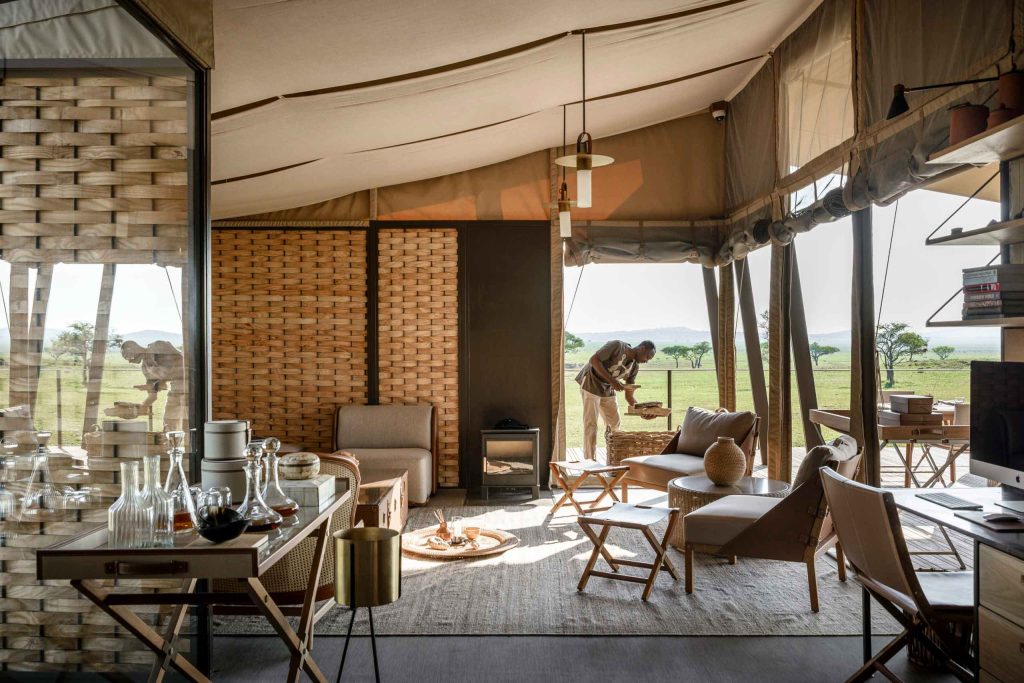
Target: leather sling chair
x,y
926,604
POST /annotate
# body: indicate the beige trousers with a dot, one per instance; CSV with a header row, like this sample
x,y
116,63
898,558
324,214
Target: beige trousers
x,y
592,405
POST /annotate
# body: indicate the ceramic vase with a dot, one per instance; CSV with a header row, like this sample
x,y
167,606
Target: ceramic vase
x,y
724,462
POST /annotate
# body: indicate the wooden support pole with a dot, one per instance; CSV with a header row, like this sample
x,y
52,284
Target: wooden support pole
x,y
752,340
863,380
18,393
711,294
802,357
98,355
780,416
37,331
725,362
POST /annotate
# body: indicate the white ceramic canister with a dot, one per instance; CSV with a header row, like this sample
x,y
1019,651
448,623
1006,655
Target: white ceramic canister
x,y
230,473
225,439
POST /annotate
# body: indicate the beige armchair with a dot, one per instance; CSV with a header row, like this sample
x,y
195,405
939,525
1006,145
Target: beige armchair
x,y
796,528
286,580
392,436
684,454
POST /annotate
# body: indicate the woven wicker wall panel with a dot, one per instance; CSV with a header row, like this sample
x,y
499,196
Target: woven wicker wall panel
x,y
289,329
419,330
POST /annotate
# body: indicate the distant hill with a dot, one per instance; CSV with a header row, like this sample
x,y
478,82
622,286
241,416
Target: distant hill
x,y
142,337
976,340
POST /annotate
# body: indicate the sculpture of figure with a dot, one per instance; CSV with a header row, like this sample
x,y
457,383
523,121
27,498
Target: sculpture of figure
x,y
164,368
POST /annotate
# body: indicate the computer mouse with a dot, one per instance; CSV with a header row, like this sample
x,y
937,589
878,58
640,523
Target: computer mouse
x,y
1000,517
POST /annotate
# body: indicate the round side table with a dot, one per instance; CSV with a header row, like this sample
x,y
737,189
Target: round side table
x,y
689,493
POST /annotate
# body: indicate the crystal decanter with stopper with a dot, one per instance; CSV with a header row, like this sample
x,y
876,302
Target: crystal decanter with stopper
x,y
273,496
130,519
177,488
162,502
260,515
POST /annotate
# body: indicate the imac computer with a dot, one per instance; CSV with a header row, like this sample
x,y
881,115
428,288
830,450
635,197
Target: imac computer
x,y
997,427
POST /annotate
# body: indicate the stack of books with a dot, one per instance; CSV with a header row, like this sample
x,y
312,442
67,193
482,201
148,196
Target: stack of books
x,y
909,410
994,291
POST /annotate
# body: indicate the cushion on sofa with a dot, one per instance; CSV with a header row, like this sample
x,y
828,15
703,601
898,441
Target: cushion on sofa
x,y
722,520
417,461
661,469
384,426
702,427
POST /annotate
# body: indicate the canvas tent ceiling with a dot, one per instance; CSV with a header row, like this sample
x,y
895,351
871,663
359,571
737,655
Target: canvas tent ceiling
x,y
319,99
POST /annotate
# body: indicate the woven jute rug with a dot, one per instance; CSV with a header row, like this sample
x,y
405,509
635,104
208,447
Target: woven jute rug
x,y
531,590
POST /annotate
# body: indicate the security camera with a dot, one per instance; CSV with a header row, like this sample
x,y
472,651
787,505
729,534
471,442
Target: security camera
x,y
719,110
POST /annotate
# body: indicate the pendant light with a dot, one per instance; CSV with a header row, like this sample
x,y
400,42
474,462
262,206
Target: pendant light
x,y
584,159
564,204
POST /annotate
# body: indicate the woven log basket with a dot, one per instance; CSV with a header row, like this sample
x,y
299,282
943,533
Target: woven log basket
x,y
622,445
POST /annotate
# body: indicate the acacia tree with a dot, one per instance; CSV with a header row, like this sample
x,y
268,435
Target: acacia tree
x,y
572,342
943,352
676,351
819,350
77,342
895,343
697,352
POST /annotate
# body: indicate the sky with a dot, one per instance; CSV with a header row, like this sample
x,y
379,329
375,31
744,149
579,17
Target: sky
x,y
920,278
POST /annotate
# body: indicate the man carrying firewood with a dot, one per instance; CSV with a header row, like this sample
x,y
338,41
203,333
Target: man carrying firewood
x,y
610,369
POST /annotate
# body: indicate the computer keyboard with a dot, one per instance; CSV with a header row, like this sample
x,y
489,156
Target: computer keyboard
x,y
949,501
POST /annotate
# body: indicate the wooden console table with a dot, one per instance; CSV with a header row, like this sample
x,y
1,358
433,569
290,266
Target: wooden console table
x,y
86,560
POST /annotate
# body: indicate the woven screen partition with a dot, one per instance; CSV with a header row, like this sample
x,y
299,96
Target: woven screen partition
x,y
289,329
419,330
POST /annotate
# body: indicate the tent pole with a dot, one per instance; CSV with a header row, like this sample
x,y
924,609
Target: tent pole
x,y
752,341
37,330
711,294
19,303
780,410
99,348
725,363
863,381
802,357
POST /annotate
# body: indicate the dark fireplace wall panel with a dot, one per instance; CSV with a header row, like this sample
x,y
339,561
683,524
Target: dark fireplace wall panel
x,y
506,335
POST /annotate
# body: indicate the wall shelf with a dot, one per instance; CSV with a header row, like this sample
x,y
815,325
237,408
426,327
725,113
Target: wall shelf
x,y
1017,321
996,234
1002,143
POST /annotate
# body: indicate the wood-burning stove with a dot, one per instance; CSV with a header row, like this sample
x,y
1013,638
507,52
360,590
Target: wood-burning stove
x,y
511,458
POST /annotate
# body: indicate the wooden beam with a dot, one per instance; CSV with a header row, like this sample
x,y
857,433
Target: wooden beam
x,y
19,312
780,415
725,362
37,330
752,340
99,348
802,357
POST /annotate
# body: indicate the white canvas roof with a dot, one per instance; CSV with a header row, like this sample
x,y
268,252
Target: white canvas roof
x,y
360,94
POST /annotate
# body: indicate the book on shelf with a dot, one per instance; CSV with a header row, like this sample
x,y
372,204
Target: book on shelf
x,y
1003,274
994,306
889,418
990,287
994,296
911,403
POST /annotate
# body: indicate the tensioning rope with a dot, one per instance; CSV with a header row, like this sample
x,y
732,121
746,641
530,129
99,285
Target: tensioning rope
x,y
888,258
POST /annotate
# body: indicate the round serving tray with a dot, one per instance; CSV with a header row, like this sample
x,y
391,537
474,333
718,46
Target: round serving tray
x,y
489,542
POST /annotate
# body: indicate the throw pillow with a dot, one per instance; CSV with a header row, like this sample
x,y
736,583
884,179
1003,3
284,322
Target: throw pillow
x,y
702,427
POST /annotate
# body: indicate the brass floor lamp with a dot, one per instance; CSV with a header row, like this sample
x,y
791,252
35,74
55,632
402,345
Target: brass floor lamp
x,y
368,573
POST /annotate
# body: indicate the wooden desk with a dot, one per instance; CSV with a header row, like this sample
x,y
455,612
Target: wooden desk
x,y
999,580
86,561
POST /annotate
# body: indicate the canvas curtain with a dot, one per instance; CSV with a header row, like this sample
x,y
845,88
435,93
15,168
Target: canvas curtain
x,y
750,140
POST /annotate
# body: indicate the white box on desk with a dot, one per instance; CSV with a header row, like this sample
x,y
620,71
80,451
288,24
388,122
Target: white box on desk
x,y
310,492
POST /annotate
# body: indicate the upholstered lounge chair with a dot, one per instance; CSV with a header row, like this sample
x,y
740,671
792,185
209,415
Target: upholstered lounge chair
x,y
684,454
393,436
796,528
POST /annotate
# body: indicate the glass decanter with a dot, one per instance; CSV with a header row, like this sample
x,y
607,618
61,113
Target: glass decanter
x,y
41,498
176,486
273,496
260,515
162,502
130,519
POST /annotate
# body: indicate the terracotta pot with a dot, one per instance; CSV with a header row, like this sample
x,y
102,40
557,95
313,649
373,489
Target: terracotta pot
x,y
1001,116
1011,90
966,120
724,462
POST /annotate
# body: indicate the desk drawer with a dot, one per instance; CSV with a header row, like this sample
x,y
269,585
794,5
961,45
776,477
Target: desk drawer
x,y
1001,583
1002,646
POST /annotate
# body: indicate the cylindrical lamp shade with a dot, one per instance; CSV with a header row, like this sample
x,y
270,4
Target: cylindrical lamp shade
x,y
583,194
564,224
368,567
